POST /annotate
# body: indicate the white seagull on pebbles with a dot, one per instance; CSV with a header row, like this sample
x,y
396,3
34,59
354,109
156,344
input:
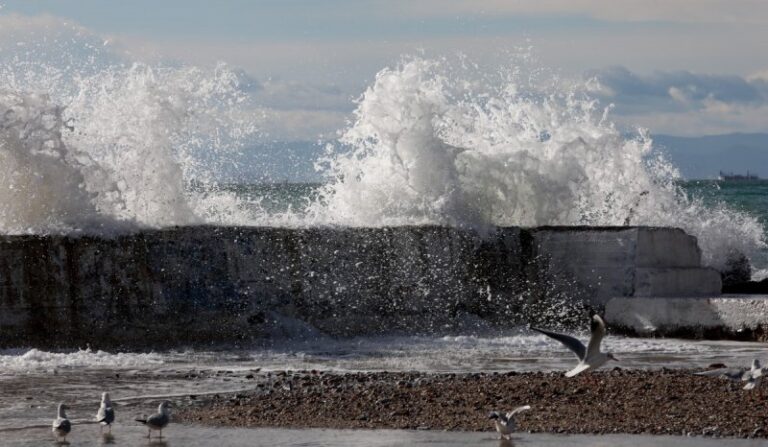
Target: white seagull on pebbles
x,y
505,422
589,356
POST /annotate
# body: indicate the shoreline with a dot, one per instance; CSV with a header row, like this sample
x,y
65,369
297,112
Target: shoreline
x,y
666,402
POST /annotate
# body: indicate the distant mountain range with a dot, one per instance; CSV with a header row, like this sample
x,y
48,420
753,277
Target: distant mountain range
x,y
696,157
704,157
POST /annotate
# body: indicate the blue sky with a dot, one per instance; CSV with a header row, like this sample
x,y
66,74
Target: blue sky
x,y
678,66
297,19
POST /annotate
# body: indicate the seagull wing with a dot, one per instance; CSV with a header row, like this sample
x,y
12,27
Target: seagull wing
x,y
580,368
62,424
752,383
598,332
157,420
728,373
512,413
106,415
569,342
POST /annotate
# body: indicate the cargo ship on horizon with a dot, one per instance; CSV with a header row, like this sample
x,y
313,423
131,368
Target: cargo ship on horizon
x,y
732,176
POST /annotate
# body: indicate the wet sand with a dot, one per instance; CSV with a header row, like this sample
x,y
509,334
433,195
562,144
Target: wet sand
x,y
671,402
197,436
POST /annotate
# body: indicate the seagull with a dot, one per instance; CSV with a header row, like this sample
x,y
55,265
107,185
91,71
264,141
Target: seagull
x,y
752,376
159,420
505,423
755,375
106,414
61,425
590,356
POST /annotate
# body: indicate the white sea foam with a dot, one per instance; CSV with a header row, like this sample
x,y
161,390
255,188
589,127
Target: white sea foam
x,y
34,360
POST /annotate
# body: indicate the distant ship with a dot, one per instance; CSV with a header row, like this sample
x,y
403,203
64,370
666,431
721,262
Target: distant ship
x,y
732,176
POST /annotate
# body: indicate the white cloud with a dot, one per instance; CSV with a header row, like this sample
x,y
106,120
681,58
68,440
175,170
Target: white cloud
x,y
759,76
718,119
678,95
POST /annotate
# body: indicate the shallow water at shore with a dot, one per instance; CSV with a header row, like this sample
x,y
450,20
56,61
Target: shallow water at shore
x,y
192,436
33,382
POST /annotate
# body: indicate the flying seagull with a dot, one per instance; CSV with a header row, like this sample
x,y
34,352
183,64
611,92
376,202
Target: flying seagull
x,y
159,420
589,356
61,425
505,423
106,414
752,376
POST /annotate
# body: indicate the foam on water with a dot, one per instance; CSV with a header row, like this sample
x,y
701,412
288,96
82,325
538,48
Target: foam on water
x,y
35,361
462,353
93,141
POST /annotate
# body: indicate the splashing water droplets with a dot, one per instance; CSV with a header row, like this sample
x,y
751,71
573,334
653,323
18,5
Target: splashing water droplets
x,y
429,146
431,143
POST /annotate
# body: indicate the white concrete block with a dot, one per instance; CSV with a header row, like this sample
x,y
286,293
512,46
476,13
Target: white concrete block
x,y
666,247
641,261
676,281
665,316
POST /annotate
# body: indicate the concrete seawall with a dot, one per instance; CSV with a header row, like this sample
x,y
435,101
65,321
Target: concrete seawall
x,y
200,285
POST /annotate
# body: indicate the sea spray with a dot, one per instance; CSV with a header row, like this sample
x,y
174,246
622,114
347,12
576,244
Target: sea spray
x,y
430,146
124,140
41,179
432,142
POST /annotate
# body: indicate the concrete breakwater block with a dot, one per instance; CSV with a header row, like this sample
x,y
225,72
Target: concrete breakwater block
x,y
677,281
209,284
625,261
741,317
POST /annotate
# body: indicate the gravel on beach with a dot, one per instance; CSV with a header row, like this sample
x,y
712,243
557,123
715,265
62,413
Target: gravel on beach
x,y
611,401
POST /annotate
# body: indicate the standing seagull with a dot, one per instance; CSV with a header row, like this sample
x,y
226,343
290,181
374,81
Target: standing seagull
x,y
61,425
589,356
106,414
752,376
505,423
159,420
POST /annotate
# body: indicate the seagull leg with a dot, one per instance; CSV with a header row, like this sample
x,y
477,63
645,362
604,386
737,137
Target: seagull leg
x,y
161,433
149,433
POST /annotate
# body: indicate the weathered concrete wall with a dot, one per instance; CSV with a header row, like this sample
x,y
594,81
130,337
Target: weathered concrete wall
x,y
742,317
205,284
621,261
197,285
